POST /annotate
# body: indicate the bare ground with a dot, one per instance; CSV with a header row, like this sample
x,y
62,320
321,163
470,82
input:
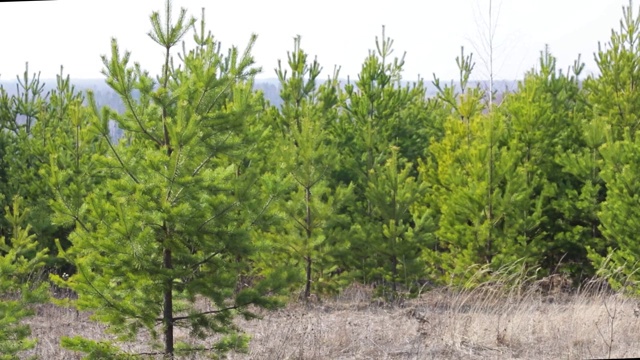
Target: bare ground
x,y
440,324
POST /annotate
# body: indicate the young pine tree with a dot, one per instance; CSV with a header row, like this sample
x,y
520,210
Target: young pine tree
x,y
546,115
614,99
480,189
308,205
379,112
28,119
393,194
20,261
169,224
68,143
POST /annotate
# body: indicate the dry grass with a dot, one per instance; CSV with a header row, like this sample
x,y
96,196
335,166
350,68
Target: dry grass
x,y
484,323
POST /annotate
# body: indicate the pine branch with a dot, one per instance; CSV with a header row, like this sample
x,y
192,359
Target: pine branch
x,y
203,261
231,206
180,318
264,208
103,297
175,174
122,165
202,164
300,223
137,119
215,99
180,351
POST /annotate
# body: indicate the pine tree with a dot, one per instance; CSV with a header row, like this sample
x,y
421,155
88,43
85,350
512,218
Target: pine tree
x,y
35,125
379,111
19,119
305,161
393,193
613,94
20,261
170,223
68,145
481,188
448,171
619,213
546,115
613,142
584,191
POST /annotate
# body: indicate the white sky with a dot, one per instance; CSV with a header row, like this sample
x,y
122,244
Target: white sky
x,y
74,33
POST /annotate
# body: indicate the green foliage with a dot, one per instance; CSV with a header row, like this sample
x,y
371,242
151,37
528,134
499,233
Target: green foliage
x,y
234,342
20,170
212,194
546,116
398,229
619,213
306,237
613,142
170,223
613,95
380,112
94,350
35,126
457,174
494,176
20,261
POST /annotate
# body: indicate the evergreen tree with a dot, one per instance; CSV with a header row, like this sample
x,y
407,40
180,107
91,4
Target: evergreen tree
x,y
613,95
546,116
619,213
20,262
482,188
447,171
305,161
612,136
169,224
36,125
393,193
19,114
379,111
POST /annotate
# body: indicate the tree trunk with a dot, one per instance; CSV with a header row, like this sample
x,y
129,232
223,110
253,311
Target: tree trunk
x,y
307,289
167,315
394,273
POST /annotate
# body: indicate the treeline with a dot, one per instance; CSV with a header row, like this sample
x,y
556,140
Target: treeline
x,y
212,192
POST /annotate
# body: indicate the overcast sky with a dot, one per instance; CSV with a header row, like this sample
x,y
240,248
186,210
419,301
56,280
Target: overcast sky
x,y
74,33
